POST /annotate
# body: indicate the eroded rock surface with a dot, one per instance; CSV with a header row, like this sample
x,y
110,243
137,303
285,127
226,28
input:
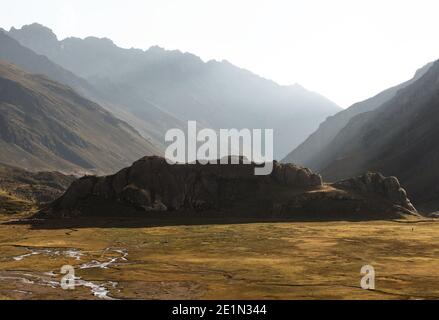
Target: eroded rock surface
x,y
388,187
153,188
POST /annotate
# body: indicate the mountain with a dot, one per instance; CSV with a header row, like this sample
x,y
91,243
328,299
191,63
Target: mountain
x,y
156,90
399,138
13,52
312,152
192,192
45,125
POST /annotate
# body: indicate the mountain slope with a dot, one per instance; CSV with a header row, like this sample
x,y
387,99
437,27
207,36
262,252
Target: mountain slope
x,y
46,125
399,138
312,151
13,52
173,87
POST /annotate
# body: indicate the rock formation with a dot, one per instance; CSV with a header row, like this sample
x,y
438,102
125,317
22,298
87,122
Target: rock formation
x,y
388,187
153,188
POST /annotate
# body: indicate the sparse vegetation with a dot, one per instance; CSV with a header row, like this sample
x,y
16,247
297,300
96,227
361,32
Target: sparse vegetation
x,y
11,204
242,261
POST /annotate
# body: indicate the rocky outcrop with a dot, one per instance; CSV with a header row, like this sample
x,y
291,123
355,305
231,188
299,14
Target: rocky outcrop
x,y
151,184
388,187
153,188
294,176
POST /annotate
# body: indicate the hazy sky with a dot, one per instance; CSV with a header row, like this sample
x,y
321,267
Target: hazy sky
x,y
346,50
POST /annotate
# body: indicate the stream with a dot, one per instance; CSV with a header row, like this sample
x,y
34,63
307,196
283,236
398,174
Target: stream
x,y
52,278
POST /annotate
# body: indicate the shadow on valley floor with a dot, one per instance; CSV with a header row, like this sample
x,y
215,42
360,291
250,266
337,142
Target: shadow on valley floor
x,y
135,222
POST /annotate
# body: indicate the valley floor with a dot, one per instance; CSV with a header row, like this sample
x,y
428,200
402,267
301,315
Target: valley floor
x,y
318,260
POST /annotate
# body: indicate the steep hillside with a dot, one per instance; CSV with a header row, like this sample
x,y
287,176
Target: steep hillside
x,y
399,138
13,52
45,125
111,98
312,152
156,90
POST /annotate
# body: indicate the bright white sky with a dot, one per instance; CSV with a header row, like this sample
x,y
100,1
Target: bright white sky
x,y
347,50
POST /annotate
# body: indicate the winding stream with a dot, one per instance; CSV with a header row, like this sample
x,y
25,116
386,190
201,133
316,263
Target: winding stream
x,y
52,278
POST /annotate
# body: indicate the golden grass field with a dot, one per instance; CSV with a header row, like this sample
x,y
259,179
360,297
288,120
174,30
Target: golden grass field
x,y
317,260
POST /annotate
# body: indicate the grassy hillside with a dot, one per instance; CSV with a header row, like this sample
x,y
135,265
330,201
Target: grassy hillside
x,y
12,204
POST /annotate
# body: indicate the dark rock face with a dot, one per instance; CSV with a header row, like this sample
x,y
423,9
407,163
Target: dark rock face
x,y
388,187
153,188
294,176
152,185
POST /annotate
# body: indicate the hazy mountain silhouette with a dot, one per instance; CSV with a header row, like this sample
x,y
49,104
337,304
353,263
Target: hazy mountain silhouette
x,y
155,90
312,152
47,125
399,138
13,52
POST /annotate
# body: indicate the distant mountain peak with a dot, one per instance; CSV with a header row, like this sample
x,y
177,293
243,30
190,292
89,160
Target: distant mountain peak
x,y
35,36
102,41
421,71
298,87
37,30
156,49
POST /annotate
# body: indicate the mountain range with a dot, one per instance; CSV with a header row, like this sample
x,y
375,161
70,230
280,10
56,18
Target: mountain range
x,y
156,89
